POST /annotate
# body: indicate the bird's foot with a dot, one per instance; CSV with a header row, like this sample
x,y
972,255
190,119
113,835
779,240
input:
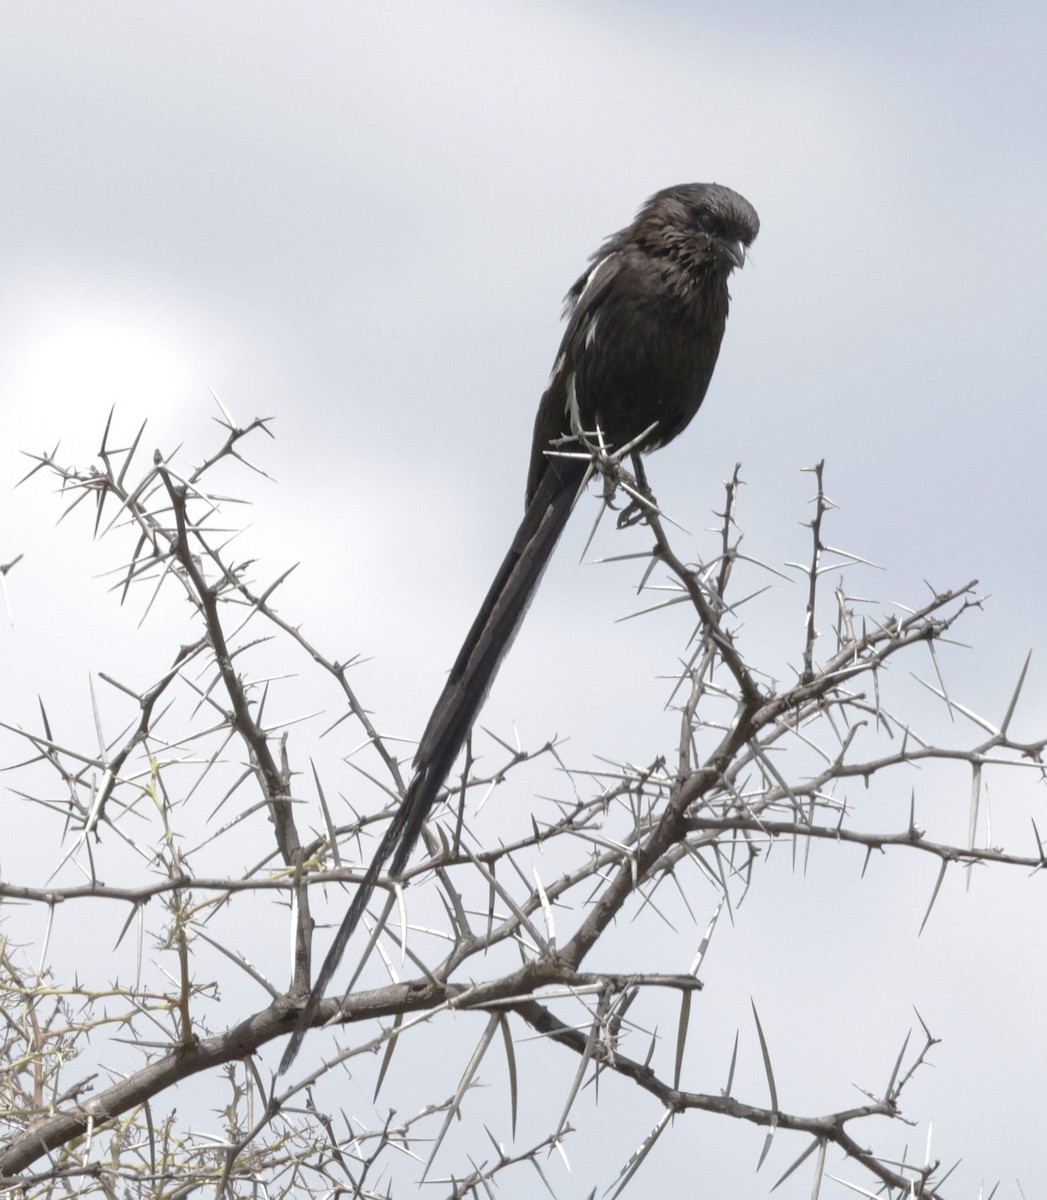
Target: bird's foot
x,y
636,511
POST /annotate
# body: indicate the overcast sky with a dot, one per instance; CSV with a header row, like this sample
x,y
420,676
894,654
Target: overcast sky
x,y
360,219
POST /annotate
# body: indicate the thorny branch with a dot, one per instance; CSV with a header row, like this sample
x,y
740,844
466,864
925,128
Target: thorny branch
x,y
755,761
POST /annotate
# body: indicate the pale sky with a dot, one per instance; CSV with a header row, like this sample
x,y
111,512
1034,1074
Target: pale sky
x,y
360,219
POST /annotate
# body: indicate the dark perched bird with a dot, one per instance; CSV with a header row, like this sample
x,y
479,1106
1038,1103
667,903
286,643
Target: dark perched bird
x,y
644,328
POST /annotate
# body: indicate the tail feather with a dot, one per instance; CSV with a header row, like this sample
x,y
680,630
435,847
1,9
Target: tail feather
x,y
485,646
470,679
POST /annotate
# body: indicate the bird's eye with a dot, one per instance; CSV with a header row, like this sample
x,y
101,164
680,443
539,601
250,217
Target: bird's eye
x,y
705,221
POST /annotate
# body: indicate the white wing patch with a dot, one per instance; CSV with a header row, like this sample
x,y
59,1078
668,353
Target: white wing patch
x,y
572,407
583,336
590,278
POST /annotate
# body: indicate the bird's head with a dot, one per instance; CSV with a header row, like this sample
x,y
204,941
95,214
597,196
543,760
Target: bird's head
x,y
698,222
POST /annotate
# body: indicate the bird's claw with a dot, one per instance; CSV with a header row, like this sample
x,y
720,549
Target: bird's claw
x,y
633,514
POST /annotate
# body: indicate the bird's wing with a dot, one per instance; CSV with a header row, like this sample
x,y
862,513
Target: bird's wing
x,y
557,415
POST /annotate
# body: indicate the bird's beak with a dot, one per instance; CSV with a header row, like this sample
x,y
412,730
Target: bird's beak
x,y
734,251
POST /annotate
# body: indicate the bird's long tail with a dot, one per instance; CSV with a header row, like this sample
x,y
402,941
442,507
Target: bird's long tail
x,y
467,686
485,645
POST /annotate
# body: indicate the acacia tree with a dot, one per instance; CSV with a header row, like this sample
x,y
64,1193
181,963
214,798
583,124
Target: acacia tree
x,y
490,954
